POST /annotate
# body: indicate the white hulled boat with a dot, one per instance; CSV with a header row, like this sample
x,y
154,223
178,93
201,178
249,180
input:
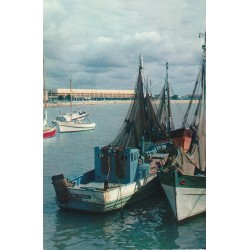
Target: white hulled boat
x,y
74,121
183,177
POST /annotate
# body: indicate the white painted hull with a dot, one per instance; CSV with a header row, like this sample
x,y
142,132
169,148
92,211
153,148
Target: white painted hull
x,y
92,198
185,202
75,127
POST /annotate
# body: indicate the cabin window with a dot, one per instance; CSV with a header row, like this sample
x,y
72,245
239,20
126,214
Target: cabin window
x,y
135,156
131,157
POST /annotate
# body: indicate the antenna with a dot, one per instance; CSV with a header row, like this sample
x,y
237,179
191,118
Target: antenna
x,y
166,72
141,61
170,124
141,67
203,35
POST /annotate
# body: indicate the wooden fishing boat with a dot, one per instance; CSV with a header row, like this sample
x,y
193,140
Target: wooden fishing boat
x,y
120,178
124,171
183,177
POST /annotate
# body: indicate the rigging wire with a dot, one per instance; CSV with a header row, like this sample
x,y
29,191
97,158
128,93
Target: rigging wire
x,y
195,91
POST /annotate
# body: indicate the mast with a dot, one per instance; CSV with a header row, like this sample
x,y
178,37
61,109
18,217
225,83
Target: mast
x,y
44,98
202,112
203,63
70,80
141,66
201,74
201,35
147,84
170,125
44,87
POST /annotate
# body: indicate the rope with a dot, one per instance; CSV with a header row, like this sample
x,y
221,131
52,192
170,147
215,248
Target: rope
x,y
108,168
184,122
122,212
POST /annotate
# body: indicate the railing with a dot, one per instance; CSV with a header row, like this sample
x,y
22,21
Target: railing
x,y
77,180
85,178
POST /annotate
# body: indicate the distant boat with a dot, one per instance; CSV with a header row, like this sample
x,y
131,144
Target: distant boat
x,y
48,131
183,177
125,170
74,121
76,115
75,126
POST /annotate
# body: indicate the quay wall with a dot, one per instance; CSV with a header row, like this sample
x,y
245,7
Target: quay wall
x,y
90,102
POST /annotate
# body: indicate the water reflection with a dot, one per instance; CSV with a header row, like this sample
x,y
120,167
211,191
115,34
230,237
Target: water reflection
x,y
192,233
144,225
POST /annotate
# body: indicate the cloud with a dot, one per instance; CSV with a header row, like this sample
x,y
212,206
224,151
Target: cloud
x,y
99,42
152,36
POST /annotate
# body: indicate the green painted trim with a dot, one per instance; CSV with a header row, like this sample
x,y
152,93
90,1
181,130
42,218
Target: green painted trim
x,y
190,181
174,179
167,178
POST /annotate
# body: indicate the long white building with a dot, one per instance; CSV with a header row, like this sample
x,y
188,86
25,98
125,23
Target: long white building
x,y
92,93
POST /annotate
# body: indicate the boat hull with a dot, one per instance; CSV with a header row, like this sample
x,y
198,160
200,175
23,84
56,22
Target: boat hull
x,y
65,127
186,194
181,138
48,133
92,198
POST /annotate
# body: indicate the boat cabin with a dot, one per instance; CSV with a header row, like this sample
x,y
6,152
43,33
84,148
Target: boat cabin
x,y
119,165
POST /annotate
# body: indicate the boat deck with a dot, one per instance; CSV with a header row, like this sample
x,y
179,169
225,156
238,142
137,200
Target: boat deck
x,y
97,185
156,161
94,185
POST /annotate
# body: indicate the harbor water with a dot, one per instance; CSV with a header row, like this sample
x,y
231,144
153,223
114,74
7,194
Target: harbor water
x,y
148,224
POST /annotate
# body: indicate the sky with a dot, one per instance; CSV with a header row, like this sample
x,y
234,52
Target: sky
x,y
97,43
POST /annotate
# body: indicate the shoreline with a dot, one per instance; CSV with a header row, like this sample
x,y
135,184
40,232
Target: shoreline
x,y
80,103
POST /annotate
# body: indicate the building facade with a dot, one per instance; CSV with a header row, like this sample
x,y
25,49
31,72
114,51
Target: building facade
x,y
95,94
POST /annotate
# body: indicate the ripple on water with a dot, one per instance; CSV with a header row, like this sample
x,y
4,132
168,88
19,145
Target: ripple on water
x,y
145,225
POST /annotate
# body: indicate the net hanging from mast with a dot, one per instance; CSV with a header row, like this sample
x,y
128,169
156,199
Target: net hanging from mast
x,y
140,120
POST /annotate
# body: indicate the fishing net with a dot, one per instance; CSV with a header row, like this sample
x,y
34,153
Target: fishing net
x,y
140,121
160,107
195,157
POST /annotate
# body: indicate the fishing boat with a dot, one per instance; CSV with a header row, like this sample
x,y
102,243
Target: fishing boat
x,y
183,177
74,121
48,131
181,136
125,171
